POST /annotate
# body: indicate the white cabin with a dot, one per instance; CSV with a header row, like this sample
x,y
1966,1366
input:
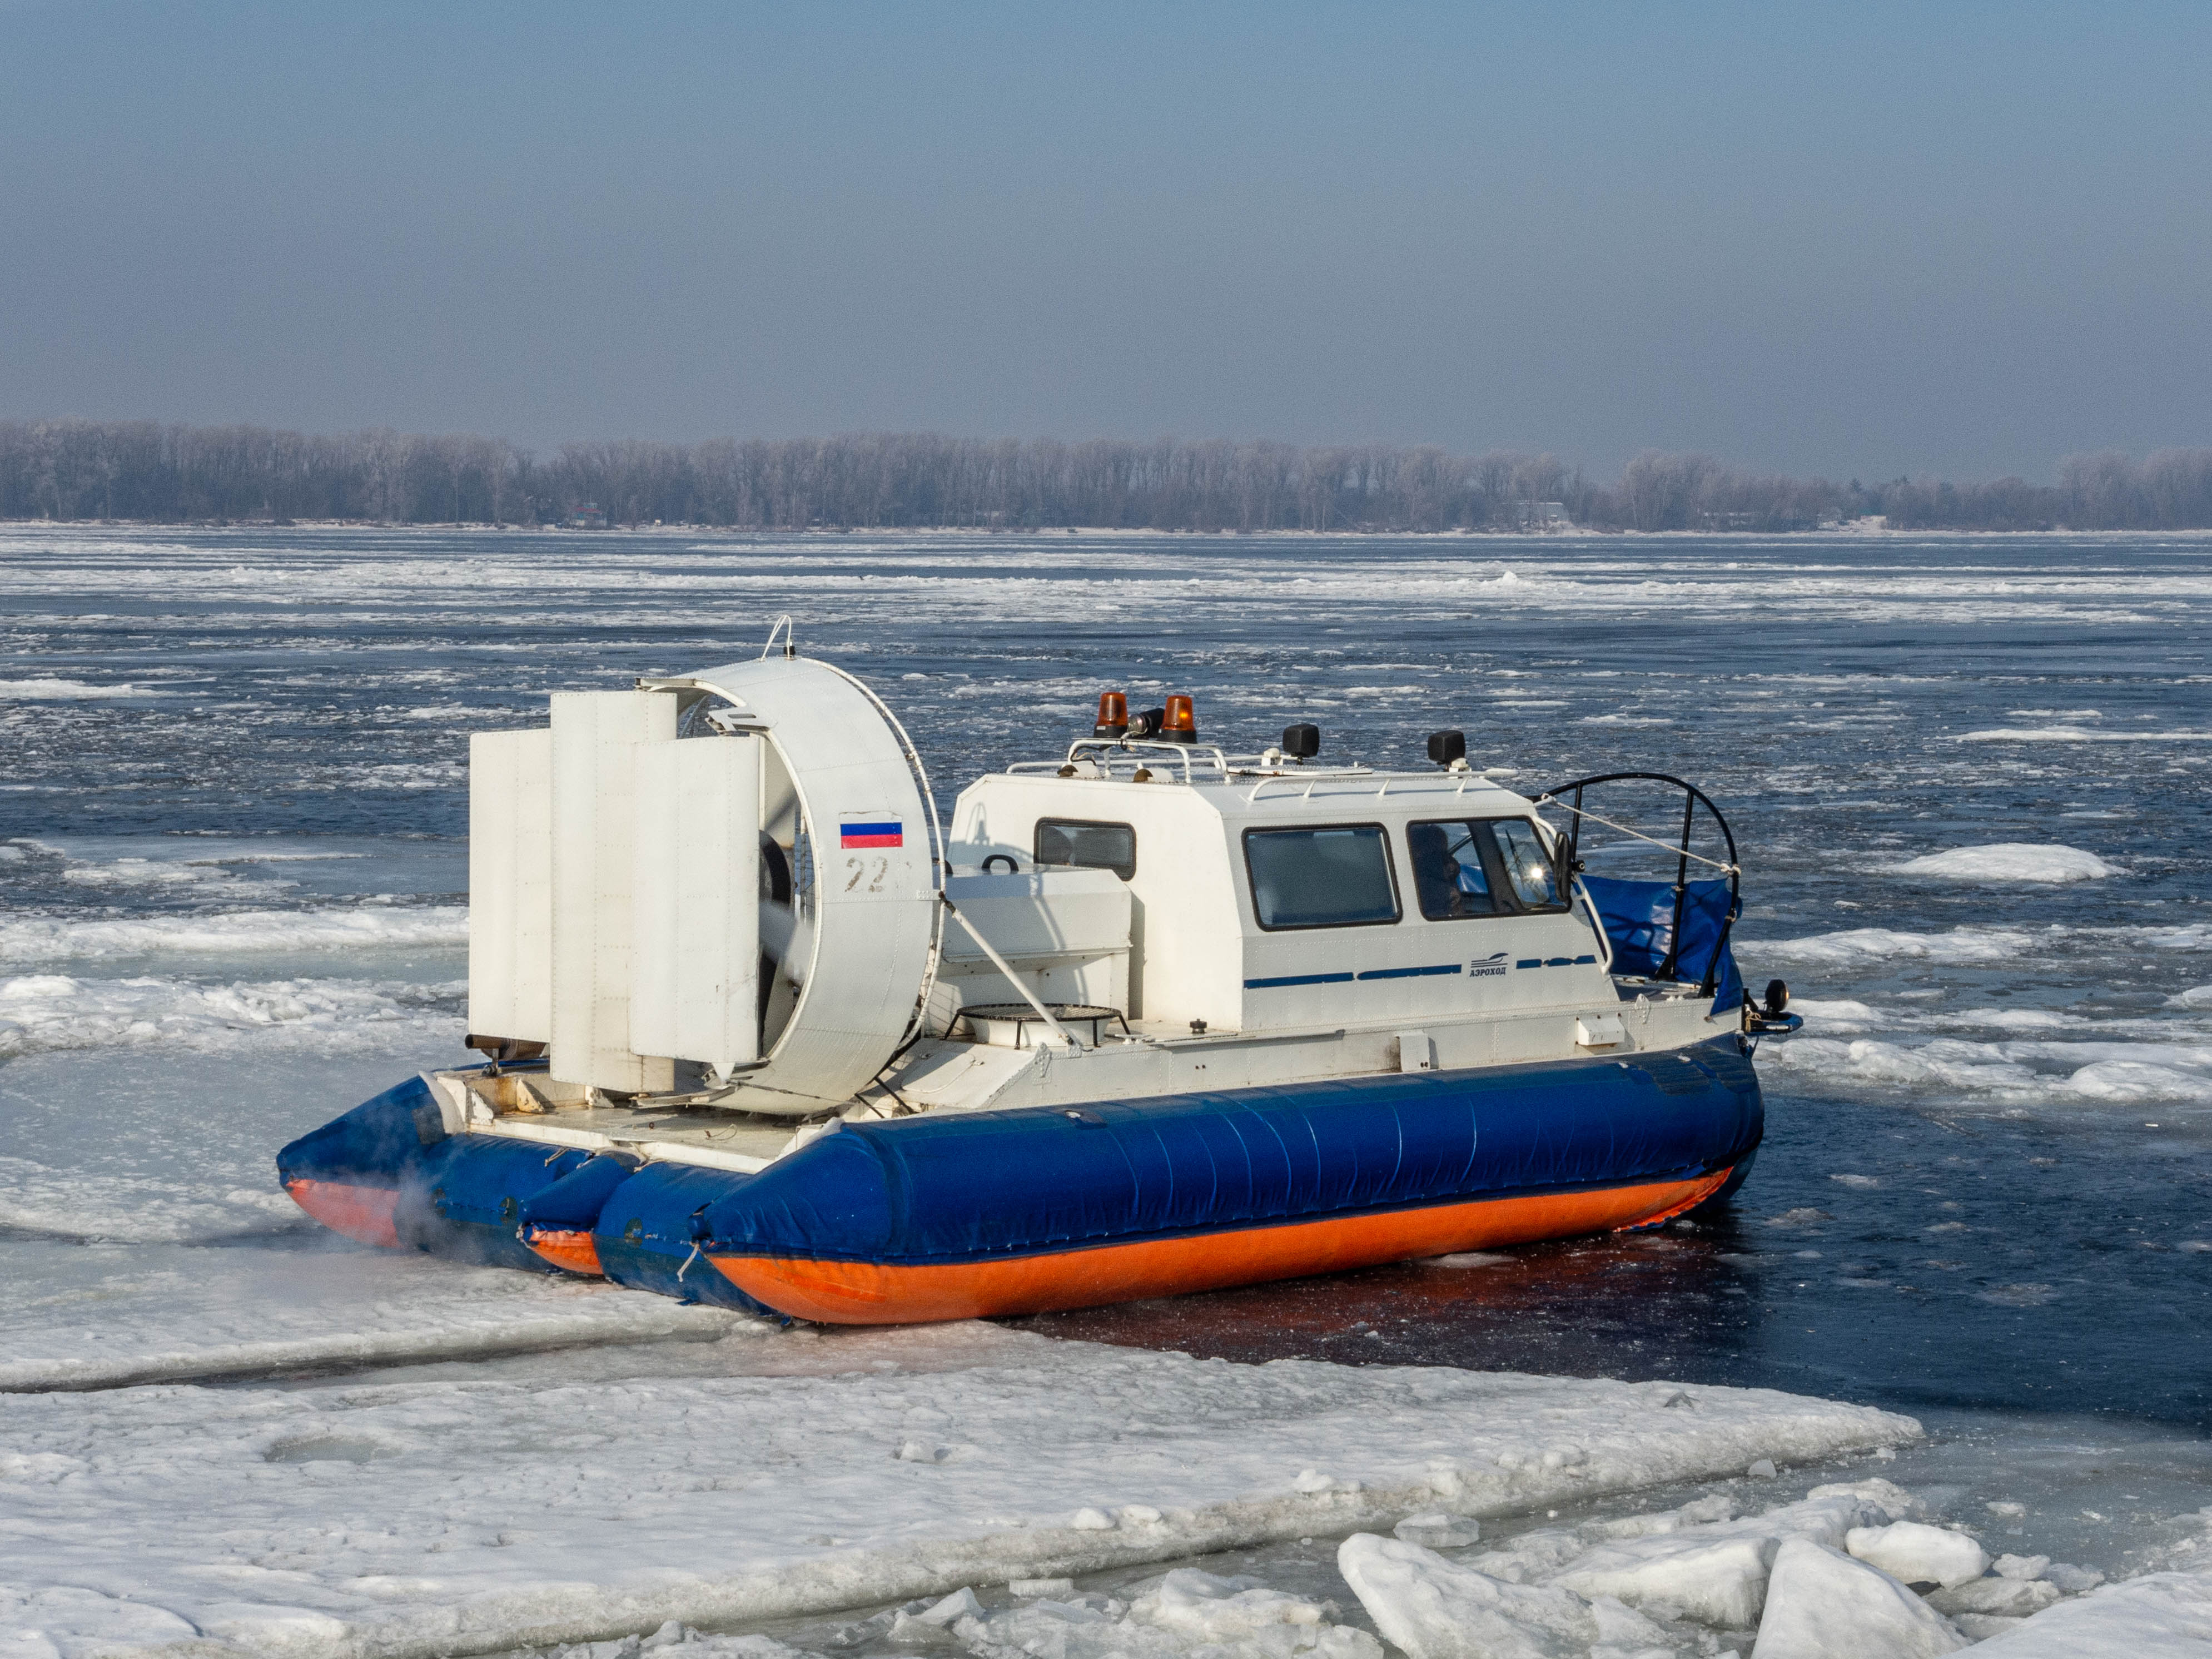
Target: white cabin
x,y
1280,923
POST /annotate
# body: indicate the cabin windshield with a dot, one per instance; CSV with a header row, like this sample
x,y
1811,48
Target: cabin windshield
x,y
1527,866
1481,867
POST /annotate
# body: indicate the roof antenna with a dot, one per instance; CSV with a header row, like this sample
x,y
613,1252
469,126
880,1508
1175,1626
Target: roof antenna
x,y
783,624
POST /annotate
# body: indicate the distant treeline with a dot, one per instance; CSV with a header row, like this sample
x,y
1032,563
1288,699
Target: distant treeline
x,y
143,470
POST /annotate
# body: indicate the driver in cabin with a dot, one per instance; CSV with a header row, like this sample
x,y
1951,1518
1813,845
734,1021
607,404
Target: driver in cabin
x,y
1447,888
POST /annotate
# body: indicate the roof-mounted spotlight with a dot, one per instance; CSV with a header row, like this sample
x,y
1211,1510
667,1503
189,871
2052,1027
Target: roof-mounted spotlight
x,y
1448,748
1147,724
1301,742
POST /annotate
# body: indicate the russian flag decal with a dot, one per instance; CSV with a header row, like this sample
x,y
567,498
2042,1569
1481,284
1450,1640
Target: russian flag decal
x,y
870,832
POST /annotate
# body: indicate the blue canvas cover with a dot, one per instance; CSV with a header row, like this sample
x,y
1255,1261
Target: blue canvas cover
x,y
1639,918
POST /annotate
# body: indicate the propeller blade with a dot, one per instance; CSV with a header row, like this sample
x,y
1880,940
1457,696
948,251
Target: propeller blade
x,y
787,936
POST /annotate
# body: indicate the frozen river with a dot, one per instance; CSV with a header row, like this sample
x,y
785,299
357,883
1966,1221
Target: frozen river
x,y
231,905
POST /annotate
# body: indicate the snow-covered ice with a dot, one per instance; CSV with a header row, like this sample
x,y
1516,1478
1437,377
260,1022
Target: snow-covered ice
x,y
397,1517
98,1317
1432,1608
1821,1604
1918,1554
60,690
1180,1614
1715,1572
2010,860
2165,1615
1995,1597
46,1013
31,938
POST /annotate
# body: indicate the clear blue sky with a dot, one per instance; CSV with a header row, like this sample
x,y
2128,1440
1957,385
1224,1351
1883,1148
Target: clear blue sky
x,y
1865,238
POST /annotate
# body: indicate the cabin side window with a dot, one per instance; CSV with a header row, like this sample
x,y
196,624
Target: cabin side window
x,y
1085,845
1481,867
1335,875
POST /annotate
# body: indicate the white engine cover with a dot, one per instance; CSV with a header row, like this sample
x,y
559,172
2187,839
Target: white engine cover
x,y
695,957
511,885
616,886
596,738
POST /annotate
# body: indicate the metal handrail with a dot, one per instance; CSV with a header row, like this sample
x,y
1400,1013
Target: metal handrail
x,y
1597,920
1692,798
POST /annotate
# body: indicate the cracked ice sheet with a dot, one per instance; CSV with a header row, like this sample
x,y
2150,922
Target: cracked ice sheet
x,y
104,1315
161,1248
441,1515
2164,1614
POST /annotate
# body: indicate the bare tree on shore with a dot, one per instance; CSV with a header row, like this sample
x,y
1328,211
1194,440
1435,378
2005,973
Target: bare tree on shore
x,y
141,470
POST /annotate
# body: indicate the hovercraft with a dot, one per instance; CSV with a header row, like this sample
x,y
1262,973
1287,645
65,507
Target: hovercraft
x,y
1150,1018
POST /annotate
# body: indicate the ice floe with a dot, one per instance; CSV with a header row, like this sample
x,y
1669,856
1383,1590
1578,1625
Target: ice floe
x,y
103,1319
1821,1604
199,879
42,1014
2010,860
2165,1615
411,1517
1972,946
1780,1584
1718,1580
1997,1597
1432,1608
61,691
1919,1554
1851,945
1715,1572
1438,1531
25,939
2078,734
2025,1073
